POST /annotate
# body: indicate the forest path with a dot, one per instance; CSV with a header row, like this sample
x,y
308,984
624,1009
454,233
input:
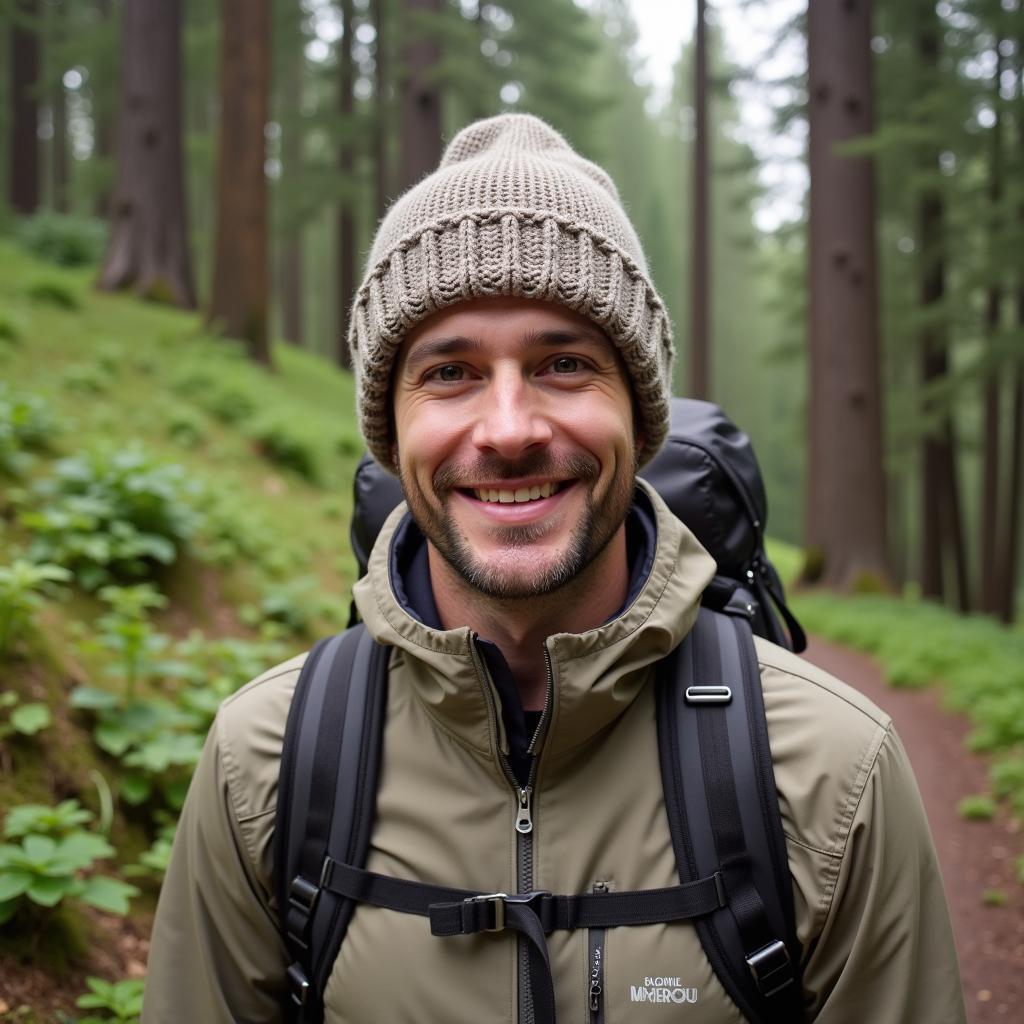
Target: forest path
x,y
974,855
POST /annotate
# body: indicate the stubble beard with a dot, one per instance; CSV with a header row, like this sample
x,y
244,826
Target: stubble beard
x,y
597,525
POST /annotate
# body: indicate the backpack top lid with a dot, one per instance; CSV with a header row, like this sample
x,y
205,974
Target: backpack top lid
x,y
707,474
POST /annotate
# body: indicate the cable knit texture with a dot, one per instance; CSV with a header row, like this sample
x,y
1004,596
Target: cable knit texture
x,y
512,210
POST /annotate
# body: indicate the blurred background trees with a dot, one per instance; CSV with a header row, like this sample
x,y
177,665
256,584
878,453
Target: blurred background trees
x,y
885,325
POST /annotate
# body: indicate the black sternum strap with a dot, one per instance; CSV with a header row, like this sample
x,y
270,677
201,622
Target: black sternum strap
x,y
534,914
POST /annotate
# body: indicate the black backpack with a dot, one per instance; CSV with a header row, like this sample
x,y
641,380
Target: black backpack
x,y
716,767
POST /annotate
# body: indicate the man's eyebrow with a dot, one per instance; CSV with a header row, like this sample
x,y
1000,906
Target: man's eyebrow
x,y
565,336
453,346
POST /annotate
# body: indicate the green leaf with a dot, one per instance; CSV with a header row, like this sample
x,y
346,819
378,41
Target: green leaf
x,y
82,848
30,718
48,892
108,894
14,883
39,849
113,737
7,910
135,789
91,698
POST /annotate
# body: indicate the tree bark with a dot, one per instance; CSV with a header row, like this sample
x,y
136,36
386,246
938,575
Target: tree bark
x,y
290,256
23,180
59,165
148,249
701,260
380,104
420,97
346,241
991,571
943,550
846,521
238,304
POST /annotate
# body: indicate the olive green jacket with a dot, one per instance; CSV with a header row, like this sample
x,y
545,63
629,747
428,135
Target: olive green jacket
x,y
871,914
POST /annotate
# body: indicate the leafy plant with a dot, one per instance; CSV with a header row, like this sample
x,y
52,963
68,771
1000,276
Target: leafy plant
x,y
187,427
24,586
155,860
26,719
976,808
43,870
26,425
87,379
112,515
62,239
281,441
51,291
120,1001
296,604
57,822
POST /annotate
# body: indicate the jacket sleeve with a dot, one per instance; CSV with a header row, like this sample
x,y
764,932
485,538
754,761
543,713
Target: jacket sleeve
x,y
886,952
216,954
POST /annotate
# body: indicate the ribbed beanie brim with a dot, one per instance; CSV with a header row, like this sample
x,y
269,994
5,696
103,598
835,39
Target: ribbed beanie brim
x,y
512,210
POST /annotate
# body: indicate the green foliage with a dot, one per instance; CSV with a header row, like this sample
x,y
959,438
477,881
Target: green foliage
x,y
120,1002
57,822
976,808
298,605
979,664
87,379
24,586
12,327
54,291
282,441
26,719
44,868
188,428
994,897
154,861
66,241
112,515
26,425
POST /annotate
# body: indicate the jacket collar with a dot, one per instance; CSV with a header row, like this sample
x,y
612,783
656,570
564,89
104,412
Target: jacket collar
x,y
597,674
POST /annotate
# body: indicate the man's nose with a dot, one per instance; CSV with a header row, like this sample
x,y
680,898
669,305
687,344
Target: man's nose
x,y
511,418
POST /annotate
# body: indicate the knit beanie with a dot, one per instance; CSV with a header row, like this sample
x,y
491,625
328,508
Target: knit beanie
x,y
512,210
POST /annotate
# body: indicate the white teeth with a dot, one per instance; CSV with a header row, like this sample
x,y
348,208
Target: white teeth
x,y
520,494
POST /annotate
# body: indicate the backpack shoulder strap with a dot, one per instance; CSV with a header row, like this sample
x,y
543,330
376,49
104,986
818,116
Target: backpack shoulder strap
x,y
327,790
723,813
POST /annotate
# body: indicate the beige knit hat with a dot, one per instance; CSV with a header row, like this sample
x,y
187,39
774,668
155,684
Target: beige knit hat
x,y
512,210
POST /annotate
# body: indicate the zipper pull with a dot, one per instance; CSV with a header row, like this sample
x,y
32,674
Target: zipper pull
x,y
524,819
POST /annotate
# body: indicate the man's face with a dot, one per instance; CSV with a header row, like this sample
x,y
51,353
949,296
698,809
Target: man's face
x,y
515,442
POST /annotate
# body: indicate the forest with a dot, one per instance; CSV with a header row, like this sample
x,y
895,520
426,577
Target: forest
x,y
188,191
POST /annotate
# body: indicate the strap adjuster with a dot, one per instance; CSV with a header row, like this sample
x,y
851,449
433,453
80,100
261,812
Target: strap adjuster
x,y
708,694
771,967
298,983
496,900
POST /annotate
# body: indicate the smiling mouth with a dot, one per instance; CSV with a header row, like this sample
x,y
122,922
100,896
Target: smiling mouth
x,y
518,495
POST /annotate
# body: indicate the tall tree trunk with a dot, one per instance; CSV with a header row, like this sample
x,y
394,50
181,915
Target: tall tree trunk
x,y
238,304
380,107
943,550
148,249
846,522
346,240
290,258
23,187
103,135
420,137
990,588
59,165
701,261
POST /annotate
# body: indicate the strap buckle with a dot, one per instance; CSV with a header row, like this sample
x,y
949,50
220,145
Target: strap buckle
x,y
771,967
496,900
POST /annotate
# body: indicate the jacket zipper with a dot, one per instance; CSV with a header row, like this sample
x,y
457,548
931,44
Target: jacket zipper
x,y
525,803
596,972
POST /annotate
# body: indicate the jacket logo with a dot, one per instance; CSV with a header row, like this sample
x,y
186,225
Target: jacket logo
x,y
662,990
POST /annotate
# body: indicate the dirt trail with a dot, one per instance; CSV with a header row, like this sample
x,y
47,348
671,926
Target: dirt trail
x,y
975,856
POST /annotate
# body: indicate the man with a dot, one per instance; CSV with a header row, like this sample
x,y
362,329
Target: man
x,y
513,363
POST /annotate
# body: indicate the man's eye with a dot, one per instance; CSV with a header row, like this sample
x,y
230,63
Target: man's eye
x,y
566,364
449,373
